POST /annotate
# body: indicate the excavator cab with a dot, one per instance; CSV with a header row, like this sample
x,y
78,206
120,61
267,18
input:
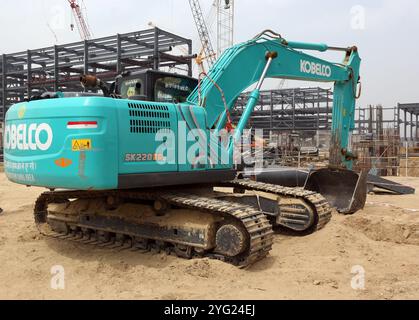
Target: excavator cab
x,y
156,86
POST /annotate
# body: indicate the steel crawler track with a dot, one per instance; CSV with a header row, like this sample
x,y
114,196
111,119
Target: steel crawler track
x,y
259,230
321,208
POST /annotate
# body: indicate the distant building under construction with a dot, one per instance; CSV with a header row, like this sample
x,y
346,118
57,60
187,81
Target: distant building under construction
x,y
28,73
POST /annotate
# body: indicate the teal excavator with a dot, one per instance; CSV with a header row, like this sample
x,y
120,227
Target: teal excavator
x,y
124,171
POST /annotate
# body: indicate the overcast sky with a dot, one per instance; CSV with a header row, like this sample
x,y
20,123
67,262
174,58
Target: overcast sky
x,y
385,31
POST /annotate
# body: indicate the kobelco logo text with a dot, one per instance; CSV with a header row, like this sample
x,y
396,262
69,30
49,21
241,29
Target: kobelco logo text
x,y
28,137
315,68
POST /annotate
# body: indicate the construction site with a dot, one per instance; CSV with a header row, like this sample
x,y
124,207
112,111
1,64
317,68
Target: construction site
x,y
164,164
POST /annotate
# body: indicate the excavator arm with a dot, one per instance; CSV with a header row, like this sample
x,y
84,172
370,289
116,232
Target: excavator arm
x,y
269,55
243,65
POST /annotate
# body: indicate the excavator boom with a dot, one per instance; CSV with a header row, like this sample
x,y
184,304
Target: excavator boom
x,y
242,66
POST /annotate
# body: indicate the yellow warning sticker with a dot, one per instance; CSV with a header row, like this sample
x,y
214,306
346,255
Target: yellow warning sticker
x,y
81,145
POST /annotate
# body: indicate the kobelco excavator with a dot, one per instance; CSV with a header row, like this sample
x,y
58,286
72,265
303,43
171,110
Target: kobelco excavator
x,y
123,171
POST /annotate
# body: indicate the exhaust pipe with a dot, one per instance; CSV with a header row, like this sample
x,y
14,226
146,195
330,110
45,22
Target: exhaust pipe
x,y
92,82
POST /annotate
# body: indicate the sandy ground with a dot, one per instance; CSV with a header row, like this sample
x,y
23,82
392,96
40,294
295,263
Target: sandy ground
x,y
383,239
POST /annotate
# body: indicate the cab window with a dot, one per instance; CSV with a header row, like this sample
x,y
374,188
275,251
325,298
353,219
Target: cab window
x,y
131,87
173,89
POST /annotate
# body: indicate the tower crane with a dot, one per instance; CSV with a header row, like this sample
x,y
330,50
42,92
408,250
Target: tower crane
x,y
81,22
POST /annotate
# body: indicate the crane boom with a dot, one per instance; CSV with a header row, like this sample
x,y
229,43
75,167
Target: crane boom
x,y
203,32
82,25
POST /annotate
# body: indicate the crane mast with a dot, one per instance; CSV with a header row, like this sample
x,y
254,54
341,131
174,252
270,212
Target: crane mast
x,y
225,25
81,22
203,32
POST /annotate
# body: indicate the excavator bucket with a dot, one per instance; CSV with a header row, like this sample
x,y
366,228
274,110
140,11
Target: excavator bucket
x,y
344,189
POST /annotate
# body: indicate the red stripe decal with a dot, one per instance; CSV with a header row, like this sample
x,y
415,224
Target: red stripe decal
x,y
78,123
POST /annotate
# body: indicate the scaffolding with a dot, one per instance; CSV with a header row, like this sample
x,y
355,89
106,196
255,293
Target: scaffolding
x,y
58,68
378,153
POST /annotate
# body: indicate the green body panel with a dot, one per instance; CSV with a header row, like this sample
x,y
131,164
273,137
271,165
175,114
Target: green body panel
x,y
132,137
37,167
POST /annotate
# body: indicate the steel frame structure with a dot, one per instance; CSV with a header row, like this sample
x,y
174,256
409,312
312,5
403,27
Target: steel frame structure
x,y
373,119
288,110
59,67
310,110
411,109
405,119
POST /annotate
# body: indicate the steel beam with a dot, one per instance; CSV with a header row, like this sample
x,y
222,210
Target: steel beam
x,y
29,73
156,56
56,69
86,57
119,68
416,127
411,127
4,85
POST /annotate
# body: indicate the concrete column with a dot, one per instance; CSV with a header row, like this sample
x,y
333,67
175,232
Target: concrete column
x,y
370,120
411,127
318,107
271,112
398,118
293,110
327,111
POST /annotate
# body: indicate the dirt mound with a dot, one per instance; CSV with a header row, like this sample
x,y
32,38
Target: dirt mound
x,y
383,229
29,236
206,268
